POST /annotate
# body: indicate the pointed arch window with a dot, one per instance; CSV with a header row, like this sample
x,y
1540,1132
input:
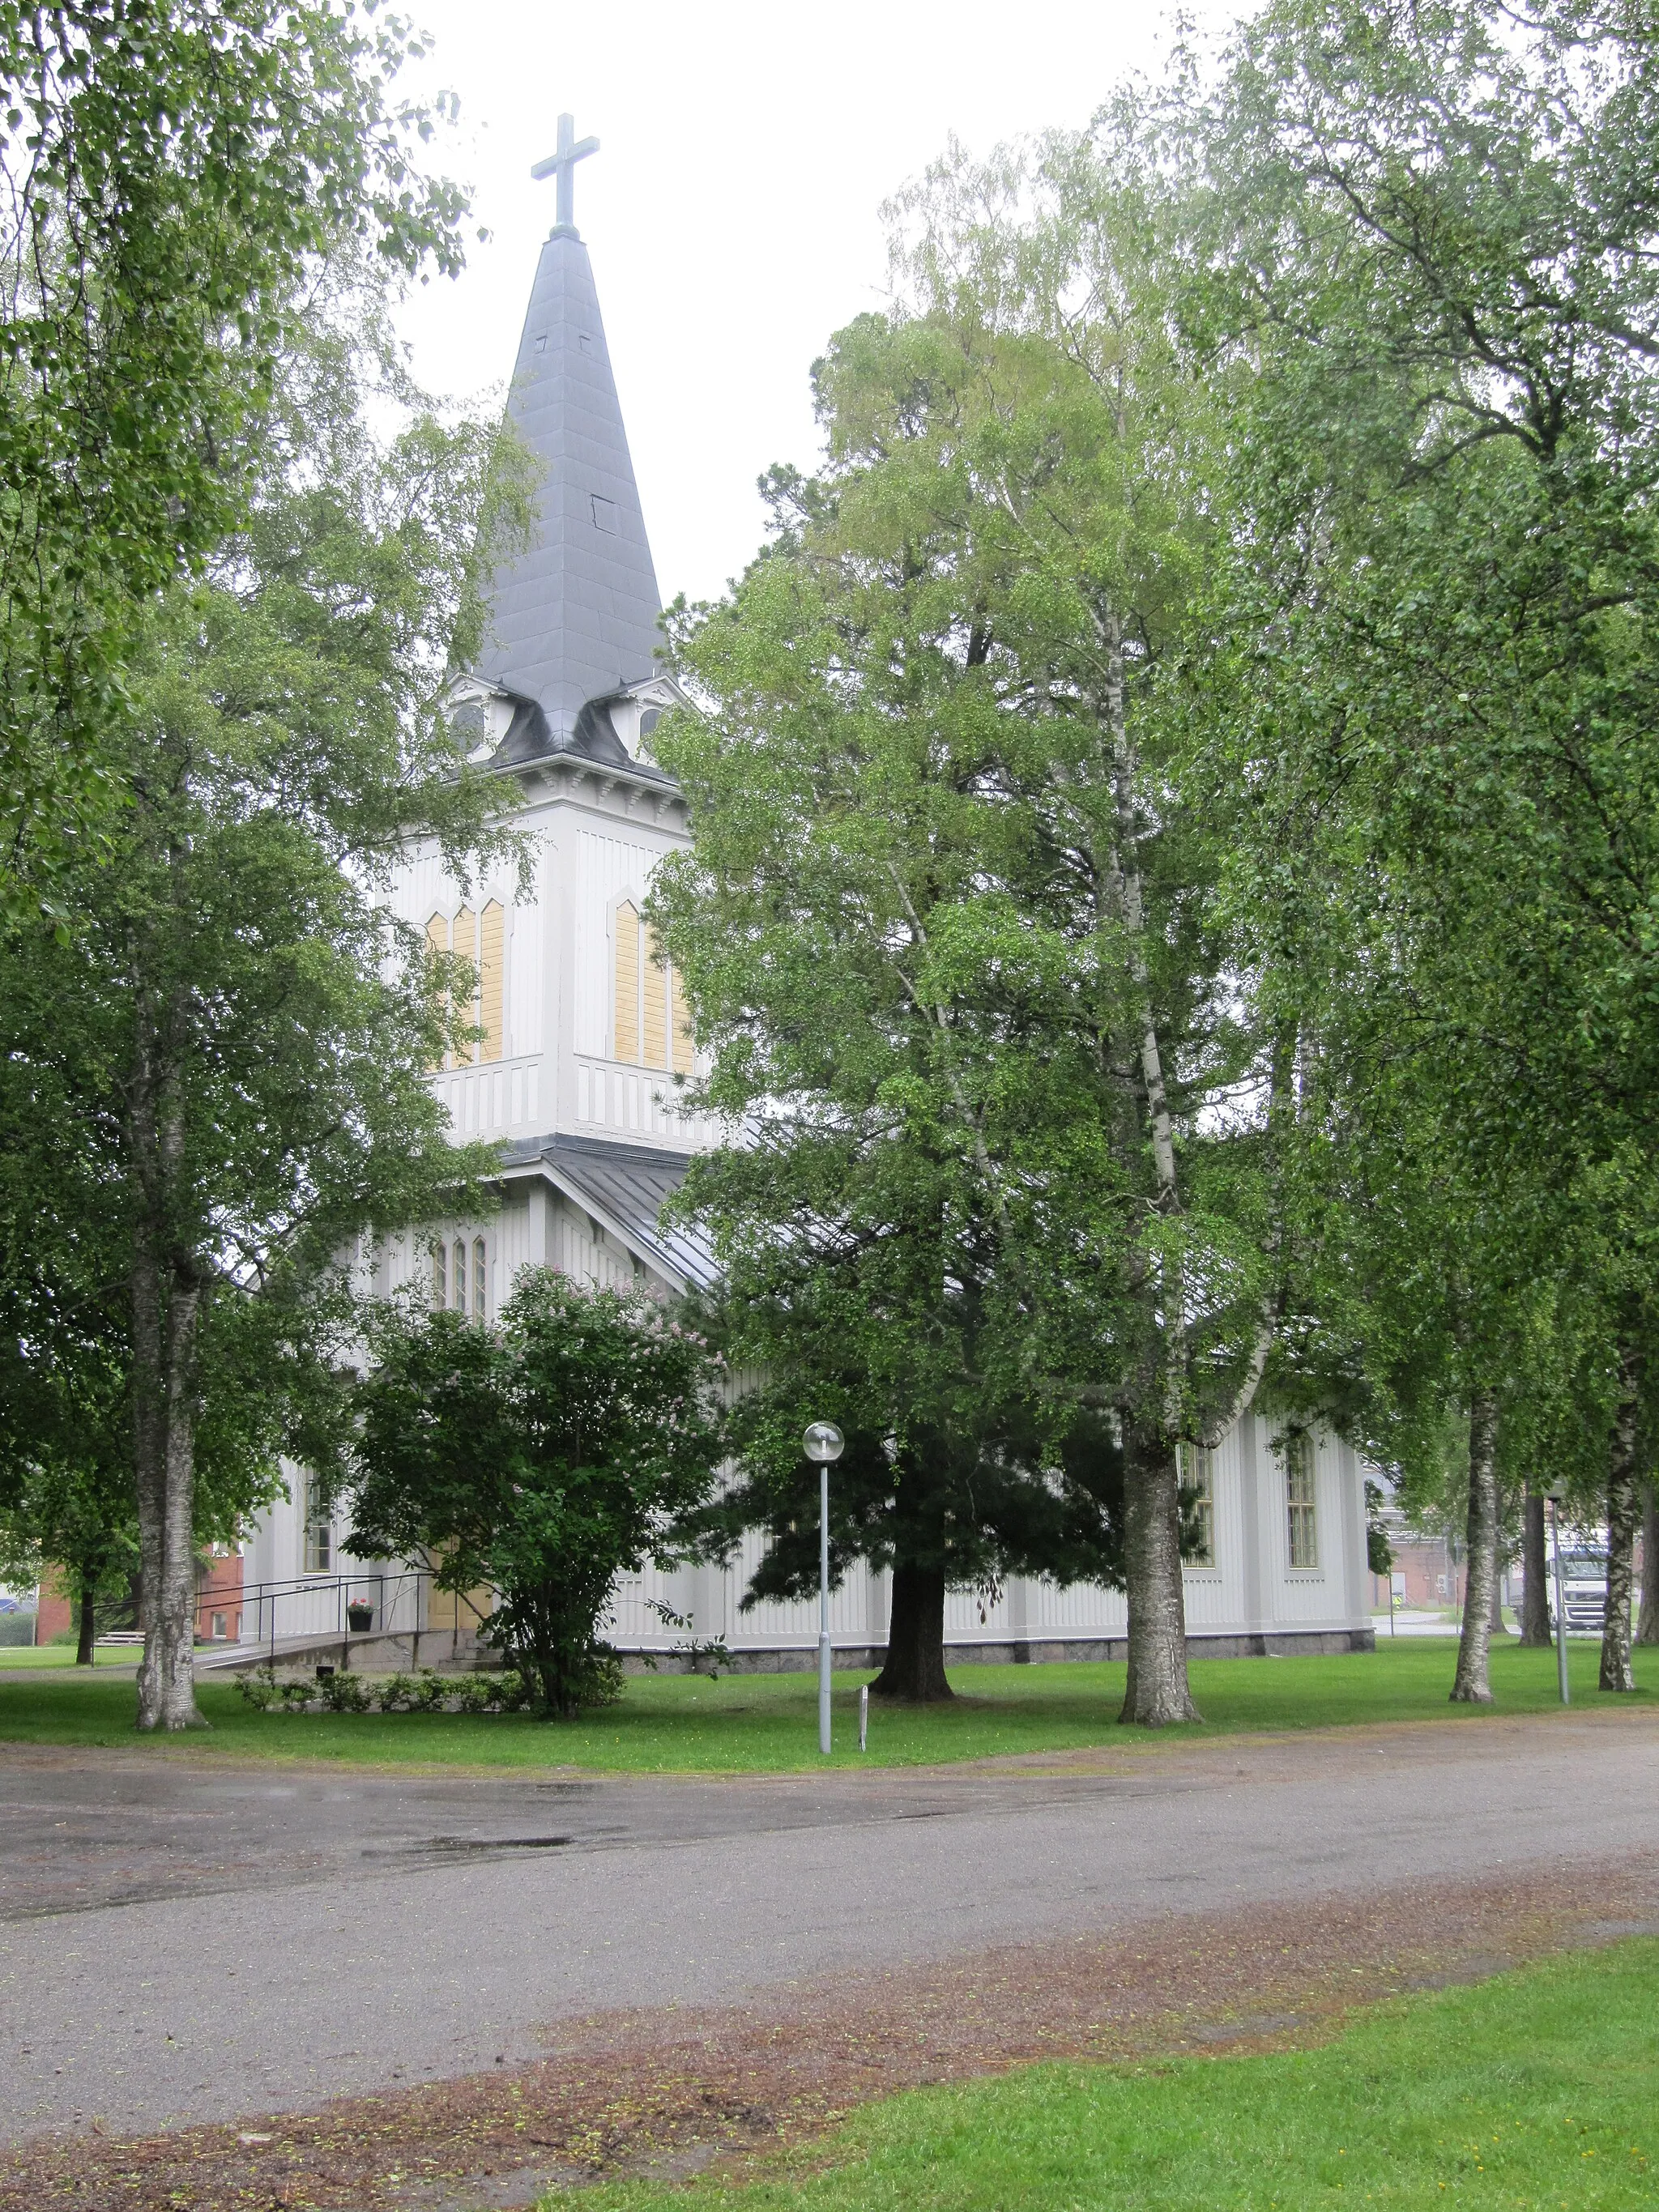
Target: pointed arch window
x,y
492,928
437,935
481,938
479,1301
652,1021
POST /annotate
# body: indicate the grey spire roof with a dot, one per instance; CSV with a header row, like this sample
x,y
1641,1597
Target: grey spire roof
x,y
575,614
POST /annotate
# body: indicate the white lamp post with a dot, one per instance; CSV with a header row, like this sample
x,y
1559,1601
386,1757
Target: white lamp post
x,y
824,1443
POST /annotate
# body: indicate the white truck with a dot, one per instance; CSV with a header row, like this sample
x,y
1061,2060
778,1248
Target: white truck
x,y
1584,1589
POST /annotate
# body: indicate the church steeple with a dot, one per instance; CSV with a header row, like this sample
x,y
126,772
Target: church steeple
x,y
575,613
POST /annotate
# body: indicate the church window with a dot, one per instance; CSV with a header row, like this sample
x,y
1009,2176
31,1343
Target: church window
x,y
605,513
437,935
465,943
653,1011
319,1531
652,1020
541,342
1299,1467
628,982
440,1293
460,1276
491,929
1197,1480
682,1024
479,1278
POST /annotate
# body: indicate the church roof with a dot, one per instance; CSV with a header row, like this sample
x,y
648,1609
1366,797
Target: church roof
x,y
574,614
625,1188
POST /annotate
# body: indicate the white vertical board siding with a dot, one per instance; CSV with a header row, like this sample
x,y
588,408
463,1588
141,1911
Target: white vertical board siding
x,y
1307,1597
523,1000
606,868
1216,1596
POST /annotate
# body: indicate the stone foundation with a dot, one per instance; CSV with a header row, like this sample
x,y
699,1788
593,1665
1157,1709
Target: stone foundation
x,y
803,1659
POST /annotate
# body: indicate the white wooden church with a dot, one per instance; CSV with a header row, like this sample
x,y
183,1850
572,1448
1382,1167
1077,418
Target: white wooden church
x,y
579,1076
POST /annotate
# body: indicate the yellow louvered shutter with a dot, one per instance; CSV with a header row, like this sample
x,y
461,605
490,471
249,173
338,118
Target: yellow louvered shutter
x,y
682,1013
437,935
490,931
466,944
627,981
654,1027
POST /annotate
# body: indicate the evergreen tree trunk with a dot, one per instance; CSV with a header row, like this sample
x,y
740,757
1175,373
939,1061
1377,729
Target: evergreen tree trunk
x,y
1623,1480
1534,1570
913,1668
1647,1621
1157,1694
1472,1685
88,1636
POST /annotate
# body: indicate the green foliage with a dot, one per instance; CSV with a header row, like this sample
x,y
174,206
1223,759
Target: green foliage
x,y
1429,702
213,1068
947,926
177,171
542,1457
429,1691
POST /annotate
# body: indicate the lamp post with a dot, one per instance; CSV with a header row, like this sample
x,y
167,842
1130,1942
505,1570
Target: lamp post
x,y
1554,1497
824,1443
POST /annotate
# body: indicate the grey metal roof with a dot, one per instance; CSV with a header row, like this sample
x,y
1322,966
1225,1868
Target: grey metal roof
x,y
574,615
625,1188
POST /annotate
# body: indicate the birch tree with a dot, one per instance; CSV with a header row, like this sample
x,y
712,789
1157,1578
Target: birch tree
x,y
1433,259
240,1031
170,170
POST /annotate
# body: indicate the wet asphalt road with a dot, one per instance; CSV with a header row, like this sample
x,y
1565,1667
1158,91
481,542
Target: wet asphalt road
x,y
189,1937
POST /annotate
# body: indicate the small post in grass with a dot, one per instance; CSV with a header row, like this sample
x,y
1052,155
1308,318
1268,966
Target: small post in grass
x,y
1554,1497
864,1715
824,1442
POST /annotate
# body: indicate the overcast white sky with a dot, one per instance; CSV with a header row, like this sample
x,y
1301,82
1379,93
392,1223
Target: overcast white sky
x,y
732,210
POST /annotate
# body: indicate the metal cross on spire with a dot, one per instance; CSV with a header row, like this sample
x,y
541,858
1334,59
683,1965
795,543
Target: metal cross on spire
x,y
562,165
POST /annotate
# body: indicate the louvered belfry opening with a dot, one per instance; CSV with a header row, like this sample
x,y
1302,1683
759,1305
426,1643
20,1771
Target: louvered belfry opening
x,y
652,1019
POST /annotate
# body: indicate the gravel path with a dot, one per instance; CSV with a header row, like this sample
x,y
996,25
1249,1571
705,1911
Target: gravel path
x,y
384,1929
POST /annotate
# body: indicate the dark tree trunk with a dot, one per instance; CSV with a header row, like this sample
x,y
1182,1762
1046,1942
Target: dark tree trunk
x,y
1622,1507
1472,1685
1647,1621
1534,1570
83,1649
914,1666
1157,1694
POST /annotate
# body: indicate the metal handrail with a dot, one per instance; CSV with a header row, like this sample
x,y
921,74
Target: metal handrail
x,y
264,1596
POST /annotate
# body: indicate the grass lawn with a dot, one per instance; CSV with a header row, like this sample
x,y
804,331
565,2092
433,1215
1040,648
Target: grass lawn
x,y
1539,2090
29,1656
767,1722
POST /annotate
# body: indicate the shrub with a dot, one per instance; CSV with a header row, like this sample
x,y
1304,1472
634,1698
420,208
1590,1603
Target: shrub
x,y
541,1458
430,1693
259,1688
345,1692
